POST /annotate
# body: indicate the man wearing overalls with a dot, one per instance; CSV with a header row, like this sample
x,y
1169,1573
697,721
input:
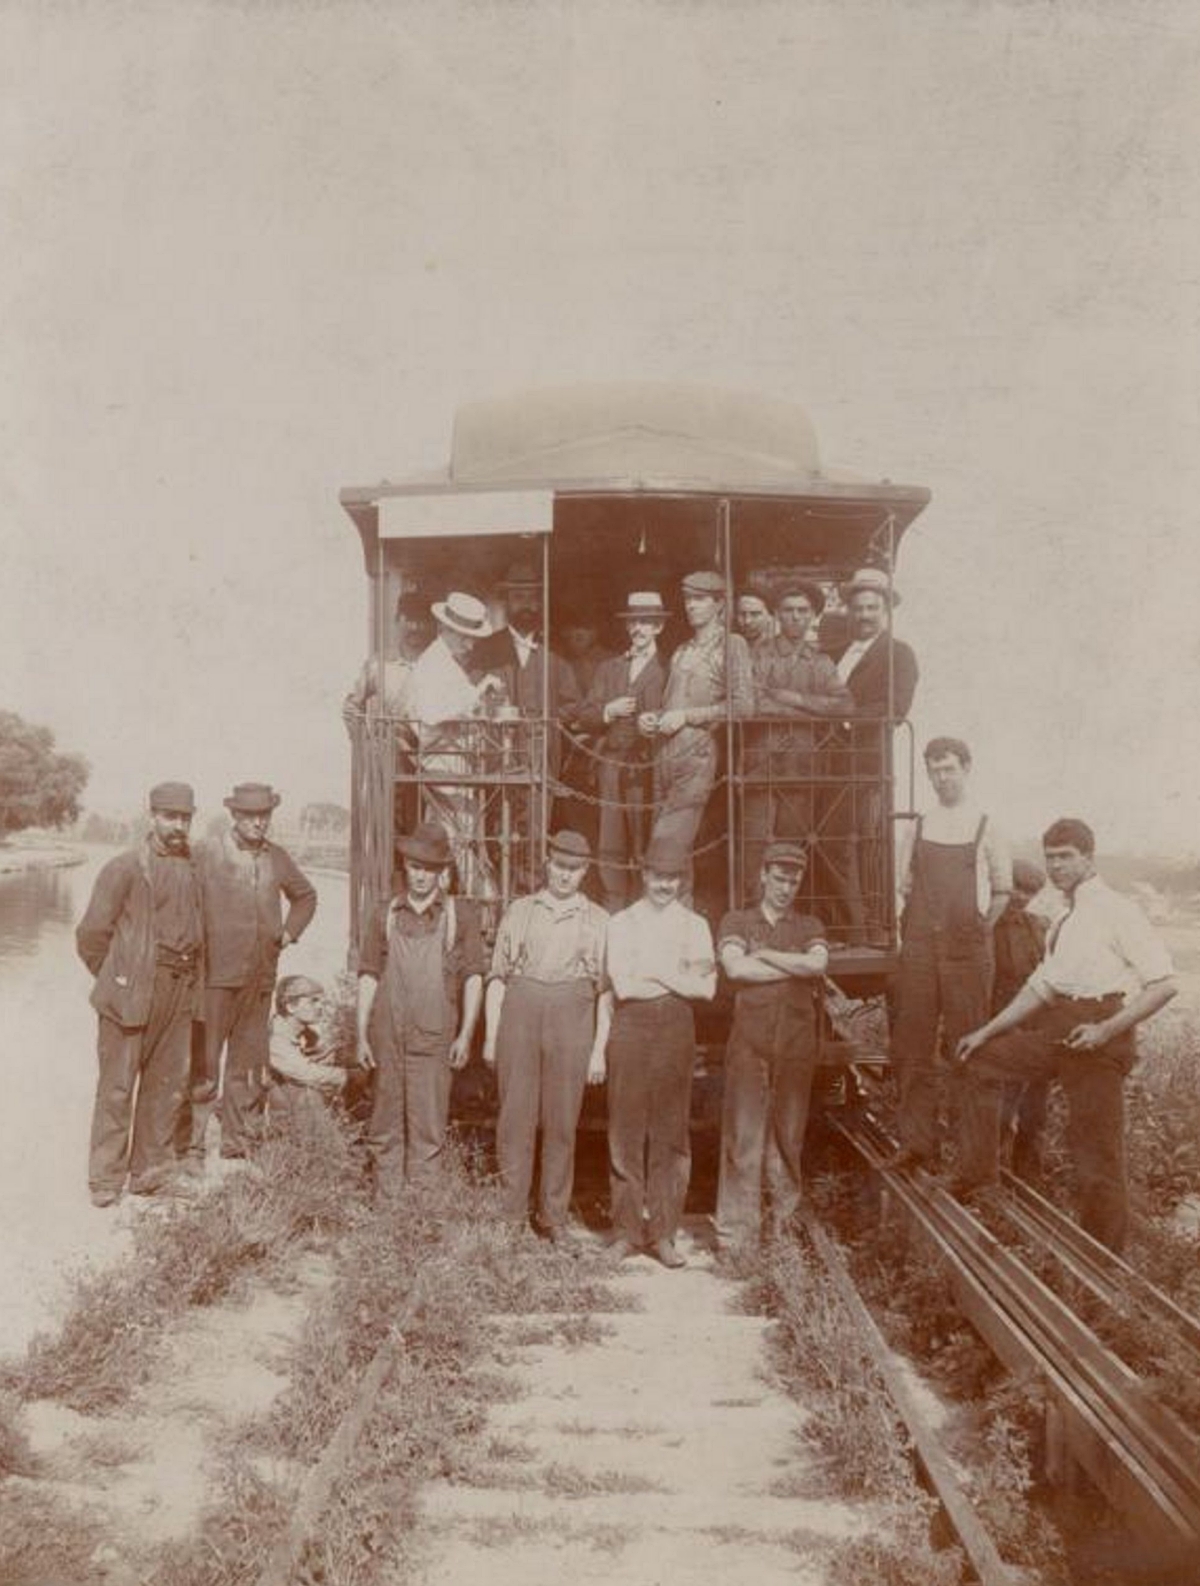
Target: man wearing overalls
x,y
422,958
546,1033
956,885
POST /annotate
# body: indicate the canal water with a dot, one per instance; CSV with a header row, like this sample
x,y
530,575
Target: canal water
x,y
48,1227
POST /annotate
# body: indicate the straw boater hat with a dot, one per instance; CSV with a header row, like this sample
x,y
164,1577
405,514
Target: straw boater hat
x,y
873,579
177,797
427,844
252,798
464,614
644,603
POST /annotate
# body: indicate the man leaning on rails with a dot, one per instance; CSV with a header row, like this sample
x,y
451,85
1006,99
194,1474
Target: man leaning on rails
x,y
142,938
1105,972
243,876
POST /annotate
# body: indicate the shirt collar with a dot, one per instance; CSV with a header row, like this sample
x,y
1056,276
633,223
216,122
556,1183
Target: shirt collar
x,y
560,907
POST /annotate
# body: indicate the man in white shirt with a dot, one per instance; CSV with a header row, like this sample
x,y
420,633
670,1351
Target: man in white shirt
x,y
956,882
441,695
1104,973
660,960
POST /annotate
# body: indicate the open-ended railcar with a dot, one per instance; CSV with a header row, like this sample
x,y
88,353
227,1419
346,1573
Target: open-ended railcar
x,y
607,490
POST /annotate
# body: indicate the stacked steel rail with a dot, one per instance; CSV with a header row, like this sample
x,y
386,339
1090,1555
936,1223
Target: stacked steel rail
x,y
1101,1415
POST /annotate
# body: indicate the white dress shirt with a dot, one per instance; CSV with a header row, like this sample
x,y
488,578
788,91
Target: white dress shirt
x,y
852,655
1102,945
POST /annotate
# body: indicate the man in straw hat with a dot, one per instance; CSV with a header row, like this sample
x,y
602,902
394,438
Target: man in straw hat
x,y
775,960
244,879
547,1026
660,960
420,990
881,673
142,938
624,688
442,694
710,677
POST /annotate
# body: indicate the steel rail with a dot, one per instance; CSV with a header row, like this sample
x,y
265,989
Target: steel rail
x,y
1137,1454
982,1555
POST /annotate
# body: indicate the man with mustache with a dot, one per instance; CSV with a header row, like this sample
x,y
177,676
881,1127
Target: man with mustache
x,y
142,938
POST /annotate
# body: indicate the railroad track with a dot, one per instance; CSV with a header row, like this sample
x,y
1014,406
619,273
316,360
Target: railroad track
x,y
1101,1415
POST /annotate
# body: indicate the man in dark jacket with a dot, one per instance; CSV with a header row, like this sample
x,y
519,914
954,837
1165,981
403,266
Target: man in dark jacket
x,y
243,878
625,686
142,939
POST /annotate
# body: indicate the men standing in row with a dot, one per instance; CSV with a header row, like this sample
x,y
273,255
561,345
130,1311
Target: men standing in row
x,y
142,938
546,1032
775,960
422,960
956,883
243,878
660,960
710,676
1104,973
625,688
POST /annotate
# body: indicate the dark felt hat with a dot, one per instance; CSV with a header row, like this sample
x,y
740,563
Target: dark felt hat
x,y
571,846
427,844
665,857
252,798
174,796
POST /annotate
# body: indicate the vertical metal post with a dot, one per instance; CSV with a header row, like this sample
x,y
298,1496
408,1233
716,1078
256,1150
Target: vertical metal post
x,y
543,824
723,528
383,755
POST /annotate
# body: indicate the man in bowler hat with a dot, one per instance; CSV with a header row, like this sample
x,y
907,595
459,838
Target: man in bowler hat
x,y
142,937
420,991
244,878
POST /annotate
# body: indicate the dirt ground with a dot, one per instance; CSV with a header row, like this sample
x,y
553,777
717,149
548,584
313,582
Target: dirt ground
x,y
659,1452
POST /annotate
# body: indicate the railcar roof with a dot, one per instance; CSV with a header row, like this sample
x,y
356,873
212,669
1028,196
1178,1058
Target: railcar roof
x,y
629,439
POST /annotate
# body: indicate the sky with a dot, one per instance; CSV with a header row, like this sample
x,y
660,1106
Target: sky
x,y
255,253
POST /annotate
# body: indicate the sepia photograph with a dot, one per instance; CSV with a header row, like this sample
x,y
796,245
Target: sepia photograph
x,y
599,800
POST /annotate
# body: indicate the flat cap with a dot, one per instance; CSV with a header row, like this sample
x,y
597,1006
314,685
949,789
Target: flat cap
x,y
790,856
704,582
173,796
571,846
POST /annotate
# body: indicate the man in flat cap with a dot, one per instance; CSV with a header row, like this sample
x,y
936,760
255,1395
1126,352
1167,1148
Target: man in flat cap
x,y
710,676
775,960
420,991
243,879
792,679
881,673
660,960
624,688
142,938
547,1027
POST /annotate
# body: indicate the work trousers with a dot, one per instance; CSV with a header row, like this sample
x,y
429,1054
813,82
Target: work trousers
x,y
779,800
236,1022
410,1111
684,773
142,1082
947,980
763,1119
542,1050
651,1055
1094,1085
623,793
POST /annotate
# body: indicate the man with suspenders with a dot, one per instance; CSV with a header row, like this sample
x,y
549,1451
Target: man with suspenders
x,y
956,884
421,963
